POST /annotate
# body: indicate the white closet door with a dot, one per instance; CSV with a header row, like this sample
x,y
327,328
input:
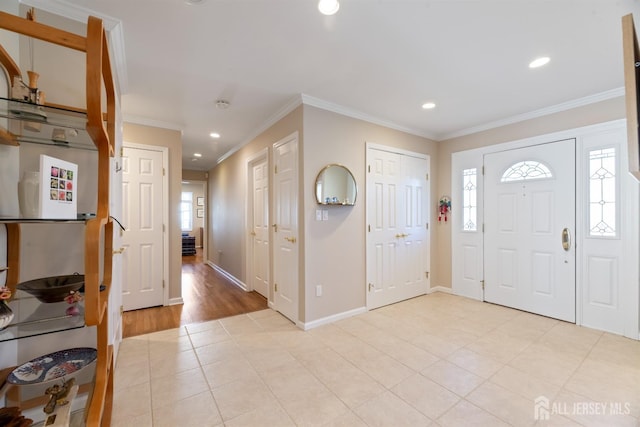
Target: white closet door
x,y
397,234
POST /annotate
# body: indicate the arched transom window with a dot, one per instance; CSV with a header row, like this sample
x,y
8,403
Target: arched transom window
x,y
525,171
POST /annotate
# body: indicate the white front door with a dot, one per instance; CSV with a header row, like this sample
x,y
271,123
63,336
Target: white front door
x,y
142,205
397,233
285,227
259,226
530,229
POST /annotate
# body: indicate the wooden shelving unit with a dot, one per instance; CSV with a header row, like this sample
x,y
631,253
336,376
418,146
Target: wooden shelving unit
x,y
98,247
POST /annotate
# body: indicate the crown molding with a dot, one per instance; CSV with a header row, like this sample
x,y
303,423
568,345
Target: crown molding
x,y
355,114
145,121
112,26
580,102
291,105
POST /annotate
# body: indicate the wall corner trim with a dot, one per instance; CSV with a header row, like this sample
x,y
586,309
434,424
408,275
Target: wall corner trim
x,y
443,289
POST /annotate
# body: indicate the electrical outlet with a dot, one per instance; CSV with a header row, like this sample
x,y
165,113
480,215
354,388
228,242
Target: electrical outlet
x,y
318,290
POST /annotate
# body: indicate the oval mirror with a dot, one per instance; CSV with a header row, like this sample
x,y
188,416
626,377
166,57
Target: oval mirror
x,y
335,185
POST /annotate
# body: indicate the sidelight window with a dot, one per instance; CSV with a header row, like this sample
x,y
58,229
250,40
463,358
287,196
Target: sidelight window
x,y
602,193
470,200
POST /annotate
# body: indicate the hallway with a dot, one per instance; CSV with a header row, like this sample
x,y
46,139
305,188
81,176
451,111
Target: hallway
x,y
207,295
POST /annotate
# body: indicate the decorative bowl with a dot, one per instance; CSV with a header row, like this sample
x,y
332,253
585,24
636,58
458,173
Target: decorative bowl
x,y
52,289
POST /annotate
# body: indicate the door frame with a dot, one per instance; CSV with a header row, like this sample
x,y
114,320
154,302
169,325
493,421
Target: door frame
x,y
252,160
471,242
165,214
428,200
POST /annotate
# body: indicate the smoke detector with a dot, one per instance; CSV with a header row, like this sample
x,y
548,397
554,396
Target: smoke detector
x,y
222,104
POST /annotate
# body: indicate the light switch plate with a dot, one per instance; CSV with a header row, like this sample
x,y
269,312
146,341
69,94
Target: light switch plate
x,y
325,215
318,215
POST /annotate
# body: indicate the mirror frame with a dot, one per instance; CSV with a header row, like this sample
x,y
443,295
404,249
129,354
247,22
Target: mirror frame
x,y
320,176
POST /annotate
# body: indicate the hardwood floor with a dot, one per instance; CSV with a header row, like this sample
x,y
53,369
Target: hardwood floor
x,y
207,295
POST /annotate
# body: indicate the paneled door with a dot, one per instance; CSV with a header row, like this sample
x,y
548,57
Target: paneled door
x,y
285,227
142,205
530,229
397,227
259,226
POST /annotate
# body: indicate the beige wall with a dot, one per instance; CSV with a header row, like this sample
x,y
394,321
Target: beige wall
x,y
141,134
331,252
335,249
612,109
227,198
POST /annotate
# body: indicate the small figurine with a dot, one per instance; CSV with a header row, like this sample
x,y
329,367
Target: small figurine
x,y
58,395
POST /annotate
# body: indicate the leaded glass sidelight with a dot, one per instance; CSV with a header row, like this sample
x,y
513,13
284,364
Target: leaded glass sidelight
x,y
526,170
602,192
470,200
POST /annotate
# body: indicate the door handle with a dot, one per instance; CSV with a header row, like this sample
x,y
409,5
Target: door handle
x,y
566,239
290,239
400,236
253,233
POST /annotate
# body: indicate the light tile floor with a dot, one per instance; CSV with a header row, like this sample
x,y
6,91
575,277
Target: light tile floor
x,y
436,360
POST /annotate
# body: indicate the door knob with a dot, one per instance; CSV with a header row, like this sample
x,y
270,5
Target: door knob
x,y
566,239
290,239
253,233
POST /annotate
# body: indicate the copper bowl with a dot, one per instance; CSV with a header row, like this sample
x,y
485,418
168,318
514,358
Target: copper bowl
x,y
52,289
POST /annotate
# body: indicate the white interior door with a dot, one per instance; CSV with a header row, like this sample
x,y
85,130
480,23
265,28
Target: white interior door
x,y
529,229
397,218
285,227
259,225
142,200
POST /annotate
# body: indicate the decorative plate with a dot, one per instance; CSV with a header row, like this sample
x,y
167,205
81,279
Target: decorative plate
x,y
52,366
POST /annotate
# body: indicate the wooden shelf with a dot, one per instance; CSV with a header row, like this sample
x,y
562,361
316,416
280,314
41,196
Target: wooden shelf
x,y
90,130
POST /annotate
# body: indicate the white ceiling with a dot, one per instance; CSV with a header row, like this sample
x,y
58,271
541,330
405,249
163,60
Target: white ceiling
x,y
378,59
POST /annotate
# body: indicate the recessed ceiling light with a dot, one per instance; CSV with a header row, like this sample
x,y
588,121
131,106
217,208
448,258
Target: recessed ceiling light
x,y
429,105
197,155
214,135
328,7
195,2
194,159
539,62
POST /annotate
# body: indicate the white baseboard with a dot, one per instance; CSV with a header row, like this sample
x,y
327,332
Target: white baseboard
x,y
175,301
229,276
442,289
330,319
